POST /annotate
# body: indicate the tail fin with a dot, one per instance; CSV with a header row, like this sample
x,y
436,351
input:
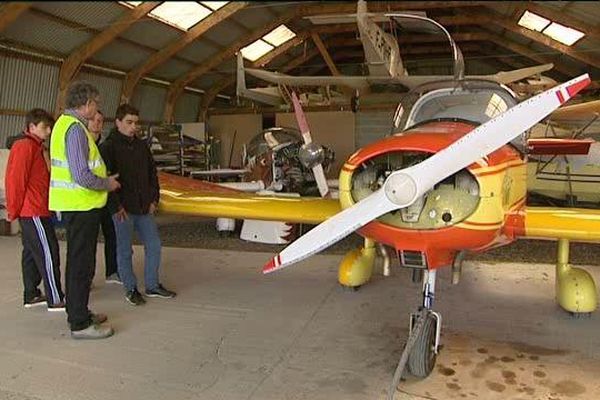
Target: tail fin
x,y
381,49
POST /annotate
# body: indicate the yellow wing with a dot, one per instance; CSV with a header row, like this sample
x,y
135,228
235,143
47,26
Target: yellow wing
x,y
579,224
192,197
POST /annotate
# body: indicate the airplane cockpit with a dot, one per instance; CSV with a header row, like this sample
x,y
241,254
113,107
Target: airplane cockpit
x,y
475,101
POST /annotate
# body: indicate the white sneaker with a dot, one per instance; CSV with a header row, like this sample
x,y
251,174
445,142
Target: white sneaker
x,y
114,278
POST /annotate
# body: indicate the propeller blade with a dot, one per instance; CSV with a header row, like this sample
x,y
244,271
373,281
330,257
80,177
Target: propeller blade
x,y
305,131
321,180
403,187
334,229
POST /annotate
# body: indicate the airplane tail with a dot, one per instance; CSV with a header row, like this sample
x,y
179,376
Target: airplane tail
x,y
269,96
381,49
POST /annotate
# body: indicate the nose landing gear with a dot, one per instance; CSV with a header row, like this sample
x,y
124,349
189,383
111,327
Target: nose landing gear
x,y
422,346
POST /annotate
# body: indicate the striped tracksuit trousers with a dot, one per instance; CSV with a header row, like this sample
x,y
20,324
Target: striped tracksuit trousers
x,y
40,259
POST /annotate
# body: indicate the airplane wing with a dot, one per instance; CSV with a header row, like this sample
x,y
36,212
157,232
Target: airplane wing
x,y
409,81
187,196
576,116
579,224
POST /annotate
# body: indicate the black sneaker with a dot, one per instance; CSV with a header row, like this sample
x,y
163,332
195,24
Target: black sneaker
x,y
135,297
160,291
36,301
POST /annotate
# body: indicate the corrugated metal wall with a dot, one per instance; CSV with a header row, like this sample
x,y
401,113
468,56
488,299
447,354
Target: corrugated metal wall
x,y
186,109
150,100
24,85
371,126
110,91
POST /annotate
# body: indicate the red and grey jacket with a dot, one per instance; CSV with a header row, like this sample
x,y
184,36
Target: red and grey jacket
x,y
27,179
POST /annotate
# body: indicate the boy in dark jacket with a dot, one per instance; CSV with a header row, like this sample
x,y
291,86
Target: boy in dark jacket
x,y
133,206
27,183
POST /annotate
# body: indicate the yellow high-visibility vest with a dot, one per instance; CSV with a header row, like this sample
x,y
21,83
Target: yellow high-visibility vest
x,y
65,193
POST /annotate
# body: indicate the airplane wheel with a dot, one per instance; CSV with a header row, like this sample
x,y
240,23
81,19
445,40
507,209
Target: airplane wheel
x,y
351,288
422,357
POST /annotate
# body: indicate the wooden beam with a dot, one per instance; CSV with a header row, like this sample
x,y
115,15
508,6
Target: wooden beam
x,y
500,20
591,31
325,54
211,94
11,11
302,10
134,76
527,52
71,65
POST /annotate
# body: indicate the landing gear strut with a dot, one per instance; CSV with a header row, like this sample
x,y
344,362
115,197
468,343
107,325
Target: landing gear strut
x,y
421,349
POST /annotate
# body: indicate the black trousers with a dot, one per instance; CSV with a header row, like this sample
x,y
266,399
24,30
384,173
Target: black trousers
x,y
40,259
110,243
82,238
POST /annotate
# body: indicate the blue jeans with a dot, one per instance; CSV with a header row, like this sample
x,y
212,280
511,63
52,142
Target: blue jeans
x,y
147,231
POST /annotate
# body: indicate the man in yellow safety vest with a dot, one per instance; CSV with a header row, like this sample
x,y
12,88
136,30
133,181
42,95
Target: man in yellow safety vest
x,y
78,190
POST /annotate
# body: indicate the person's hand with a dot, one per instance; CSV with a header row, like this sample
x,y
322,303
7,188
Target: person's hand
x,y
113,183
121,215
152,208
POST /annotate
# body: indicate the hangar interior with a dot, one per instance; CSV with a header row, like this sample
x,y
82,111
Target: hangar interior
x,y
233,333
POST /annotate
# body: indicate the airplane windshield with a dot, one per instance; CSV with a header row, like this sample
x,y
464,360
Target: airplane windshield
x,y
477,102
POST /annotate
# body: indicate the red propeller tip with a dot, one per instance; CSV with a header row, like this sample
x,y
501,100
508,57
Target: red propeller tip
x,y
269,267
273,264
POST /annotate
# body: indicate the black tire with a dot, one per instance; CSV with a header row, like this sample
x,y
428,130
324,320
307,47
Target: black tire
x,y
421,360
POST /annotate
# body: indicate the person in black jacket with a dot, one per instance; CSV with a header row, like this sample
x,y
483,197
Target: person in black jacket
x,y
134,205
95,126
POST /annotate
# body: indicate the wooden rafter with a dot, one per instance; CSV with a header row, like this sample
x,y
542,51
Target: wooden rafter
x,y
592,31
325,54
179,44
11,11
177,87
71,65
500,20
210,95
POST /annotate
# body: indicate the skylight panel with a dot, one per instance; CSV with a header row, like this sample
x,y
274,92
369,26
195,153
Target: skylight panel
x,y
279,35
533,21
563,34
256,50
182,14
214,5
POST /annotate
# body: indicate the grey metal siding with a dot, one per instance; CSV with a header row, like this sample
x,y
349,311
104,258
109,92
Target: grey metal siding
x,y
110,91
150,100
24,85
371,126
186,109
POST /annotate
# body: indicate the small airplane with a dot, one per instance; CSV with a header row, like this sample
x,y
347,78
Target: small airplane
x,y
384,63
451,179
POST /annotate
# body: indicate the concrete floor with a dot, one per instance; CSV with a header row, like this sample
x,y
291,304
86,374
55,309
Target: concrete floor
x,y
233,333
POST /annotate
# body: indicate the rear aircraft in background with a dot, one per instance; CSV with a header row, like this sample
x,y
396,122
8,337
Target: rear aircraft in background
x,y
450,180
384,62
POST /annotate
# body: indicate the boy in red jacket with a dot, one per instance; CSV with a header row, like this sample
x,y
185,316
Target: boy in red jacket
x,y
27,183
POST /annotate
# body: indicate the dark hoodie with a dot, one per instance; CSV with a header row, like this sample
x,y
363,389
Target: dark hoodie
x,y
130,157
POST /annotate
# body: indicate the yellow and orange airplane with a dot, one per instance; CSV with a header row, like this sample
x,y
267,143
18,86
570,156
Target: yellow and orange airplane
x,y
452,179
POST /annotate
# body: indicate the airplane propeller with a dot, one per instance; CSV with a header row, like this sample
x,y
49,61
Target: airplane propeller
x,y
310,148
404,187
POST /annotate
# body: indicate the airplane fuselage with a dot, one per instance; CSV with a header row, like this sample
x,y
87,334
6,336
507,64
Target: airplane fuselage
x,y
467,212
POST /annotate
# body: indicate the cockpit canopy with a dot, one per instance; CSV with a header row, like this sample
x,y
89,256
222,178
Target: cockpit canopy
x,y
476,101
